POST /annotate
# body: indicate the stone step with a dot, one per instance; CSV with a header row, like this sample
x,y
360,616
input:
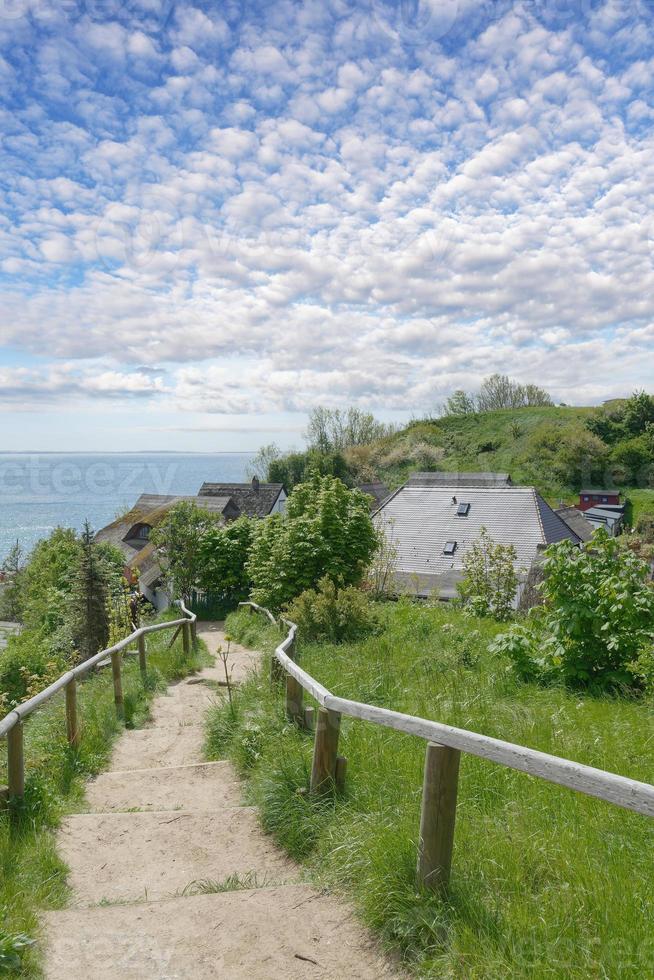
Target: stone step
x,y
209,786
289,932
117,857
149,747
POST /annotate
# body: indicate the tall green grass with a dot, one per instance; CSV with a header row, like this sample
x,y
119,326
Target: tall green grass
x,y
32,877
545,882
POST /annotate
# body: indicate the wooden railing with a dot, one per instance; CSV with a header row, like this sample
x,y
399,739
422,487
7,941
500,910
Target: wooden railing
x,y
444,747
11,725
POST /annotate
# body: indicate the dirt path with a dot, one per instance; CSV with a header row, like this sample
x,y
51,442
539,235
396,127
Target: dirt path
x,y
164,830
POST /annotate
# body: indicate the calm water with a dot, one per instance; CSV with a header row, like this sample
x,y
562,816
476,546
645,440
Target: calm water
x,y
42,491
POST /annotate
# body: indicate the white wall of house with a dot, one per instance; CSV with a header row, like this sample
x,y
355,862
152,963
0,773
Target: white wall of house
x,y
158,597
280,504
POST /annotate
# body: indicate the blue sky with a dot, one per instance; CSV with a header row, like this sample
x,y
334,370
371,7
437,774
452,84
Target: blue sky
x,y
217,216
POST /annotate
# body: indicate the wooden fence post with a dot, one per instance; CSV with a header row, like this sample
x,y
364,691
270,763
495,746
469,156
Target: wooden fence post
x,y
72,731
294,692
325,750
118,684
143,664
194,631
16,761
438,816
186,638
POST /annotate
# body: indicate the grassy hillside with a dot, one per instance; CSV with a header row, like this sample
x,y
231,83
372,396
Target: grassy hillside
x,y
545,882
501,441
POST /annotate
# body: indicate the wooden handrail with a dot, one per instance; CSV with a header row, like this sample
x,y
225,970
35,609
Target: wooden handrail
x,y
630,794
22,711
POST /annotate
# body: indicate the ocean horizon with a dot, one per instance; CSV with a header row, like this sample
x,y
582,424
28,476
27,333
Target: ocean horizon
x,y
40,491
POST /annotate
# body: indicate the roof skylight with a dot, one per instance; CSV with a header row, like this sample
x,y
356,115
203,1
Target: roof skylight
x,y
450,548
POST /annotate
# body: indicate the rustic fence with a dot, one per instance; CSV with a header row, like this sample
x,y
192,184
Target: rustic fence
x,y
443,752
11,726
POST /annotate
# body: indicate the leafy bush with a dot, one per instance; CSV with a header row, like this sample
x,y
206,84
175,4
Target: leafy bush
x,y
490,582
326,530
224,551
177,539
645,528
328,614
27,665
597,627
573,456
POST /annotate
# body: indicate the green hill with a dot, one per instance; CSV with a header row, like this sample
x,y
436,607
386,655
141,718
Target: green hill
x,y
516,441
557,449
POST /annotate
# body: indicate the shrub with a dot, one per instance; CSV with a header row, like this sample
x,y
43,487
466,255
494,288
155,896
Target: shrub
x,y
224,551
27,665
597,627
326,530
645,528
177,540
490,582
328,614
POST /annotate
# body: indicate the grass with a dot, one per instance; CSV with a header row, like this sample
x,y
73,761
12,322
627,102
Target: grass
x,y
498,441
545,883
639,502
32,877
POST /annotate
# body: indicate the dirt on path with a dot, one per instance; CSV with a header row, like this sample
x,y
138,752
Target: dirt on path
x,y
173,879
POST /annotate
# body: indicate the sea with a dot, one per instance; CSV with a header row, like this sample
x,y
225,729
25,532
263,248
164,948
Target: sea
x,y
41,491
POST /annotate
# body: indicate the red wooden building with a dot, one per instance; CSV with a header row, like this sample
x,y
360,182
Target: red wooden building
x,y
597,498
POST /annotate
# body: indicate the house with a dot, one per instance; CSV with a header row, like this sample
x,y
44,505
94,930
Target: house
x,y
432,523
608,517
576,521
378,492
597,498
130,533
254,499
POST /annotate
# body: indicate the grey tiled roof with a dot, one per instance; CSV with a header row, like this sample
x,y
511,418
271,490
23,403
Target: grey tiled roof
x,y
576,521
255,502
459,479
378,491
421,519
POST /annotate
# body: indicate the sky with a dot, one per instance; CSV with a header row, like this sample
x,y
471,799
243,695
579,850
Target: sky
x,y
217,216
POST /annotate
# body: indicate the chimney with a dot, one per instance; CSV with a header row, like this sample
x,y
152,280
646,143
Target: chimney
x,y
255,484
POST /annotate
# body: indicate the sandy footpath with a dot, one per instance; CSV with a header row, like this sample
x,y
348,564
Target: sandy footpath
x,y
163,828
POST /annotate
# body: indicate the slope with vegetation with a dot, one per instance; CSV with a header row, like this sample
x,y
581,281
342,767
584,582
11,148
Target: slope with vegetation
x,y
506,427
545,882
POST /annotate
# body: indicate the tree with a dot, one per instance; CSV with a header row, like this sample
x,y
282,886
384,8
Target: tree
x,y
333,429
490,582
638,413
178,539
597,626
326,531
224,552
11,595
496,392
293,468
500,391
460,403
89,599
264,459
